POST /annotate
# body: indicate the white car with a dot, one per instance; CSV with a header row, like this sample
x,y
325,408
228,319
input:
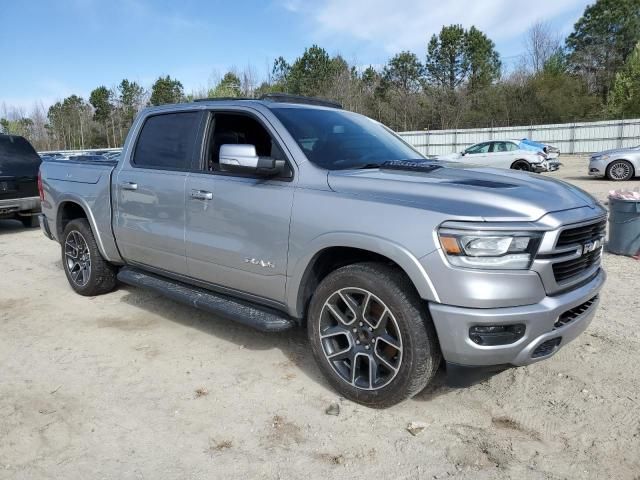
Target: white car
x,y
504,154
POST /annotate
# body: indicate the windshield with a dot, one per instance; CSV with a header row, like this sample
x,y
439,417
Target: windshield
x,y
338,140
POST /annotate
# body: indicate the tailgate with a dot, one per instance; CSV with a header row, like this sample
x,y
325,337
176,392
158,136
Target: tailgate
x,y
18,187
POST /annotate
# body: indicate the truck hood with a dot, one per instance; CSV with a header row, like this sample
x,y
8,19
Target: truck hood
x,y
465,193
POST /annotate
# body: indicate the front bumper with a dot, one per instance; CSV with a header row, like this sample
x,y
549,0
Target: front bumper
x,y
453,324
546,166
17,206
598,168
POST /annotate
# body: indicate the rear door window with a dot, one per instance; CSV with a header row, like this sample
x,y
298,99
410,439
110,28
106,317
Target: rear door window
x,y
167,141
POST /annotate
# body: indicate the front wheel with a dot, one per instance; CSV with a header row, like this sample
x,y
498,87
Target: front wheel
x,y
371,335
522,165
88,273
619,170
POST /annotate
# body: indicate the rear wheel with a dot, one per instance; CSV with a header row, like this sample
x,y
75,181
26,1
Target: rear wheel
x,y
620,170
371,335
87,272
521,165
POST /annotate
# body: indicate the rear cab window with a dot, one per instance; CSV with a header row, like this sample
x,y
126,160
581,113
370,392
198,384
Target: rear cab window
x,y
167,141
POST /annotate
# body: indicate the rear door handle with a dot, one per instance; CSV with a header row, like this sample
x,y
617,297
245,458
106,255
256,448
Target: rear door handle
x,y
129,186
201,195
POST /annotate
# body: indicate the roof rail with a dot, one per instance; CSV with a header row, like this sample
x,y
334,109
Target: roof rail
x,y
220,99
285,97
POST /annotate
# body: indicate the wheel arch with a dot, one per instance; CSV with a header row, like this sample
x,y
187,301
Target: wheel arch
x,y
346,249
519,160
71,208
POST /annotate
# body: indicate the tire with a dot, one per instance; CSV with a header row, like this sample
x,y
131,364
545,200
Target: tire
x,y
30,221
404,337
522,165
620,170
87,272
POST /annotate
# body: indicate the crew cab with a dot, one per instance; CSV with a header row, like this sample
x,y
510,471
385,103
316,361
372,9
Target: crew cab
x,y
289,212
19,165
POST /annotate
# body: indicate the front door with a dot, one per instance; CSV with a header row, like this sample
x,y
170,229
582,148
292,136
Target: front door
x,y
237,225
149,221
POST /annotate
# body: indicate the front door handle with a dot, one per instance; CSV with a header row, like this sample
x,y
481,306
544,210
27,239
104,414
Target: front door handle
x,y
201,195
129,186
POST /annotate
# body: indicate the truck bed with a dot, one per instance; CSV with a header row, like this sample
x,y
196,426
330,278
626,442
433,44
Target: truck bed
x,y
87,183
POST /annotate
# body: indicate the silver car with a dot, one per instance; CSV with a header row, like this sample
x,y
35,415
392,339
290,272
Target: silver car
x,y
505,154
618,164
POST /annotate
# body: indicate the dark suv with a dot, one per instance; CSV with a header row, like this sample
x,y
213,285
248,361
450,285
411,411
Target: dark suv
x,y
19,164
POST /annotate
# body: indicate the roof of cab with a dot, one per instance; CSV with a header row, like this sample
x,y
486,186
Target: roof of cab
x,y
268,101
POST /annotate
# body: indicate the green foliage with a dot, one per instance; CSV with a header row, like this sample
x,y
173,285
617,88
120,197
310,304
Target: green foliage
x,y
446,57
312,73
22,126
482,59
456,56
404,73
556,64
100,99
166,90
602,39
69,122
229,86
624,98
130,97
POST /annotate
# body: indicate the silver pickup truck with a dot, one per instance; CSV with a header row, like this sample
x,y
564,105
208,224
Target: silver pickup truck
x,y
287,212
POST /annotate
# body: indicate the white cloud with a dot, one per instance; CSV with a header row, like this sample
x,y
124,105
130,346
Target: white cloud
x,y
407,24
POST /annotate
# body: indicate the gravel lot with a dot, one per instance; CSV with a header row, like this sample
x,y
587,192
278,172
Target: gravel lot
x,y
130,385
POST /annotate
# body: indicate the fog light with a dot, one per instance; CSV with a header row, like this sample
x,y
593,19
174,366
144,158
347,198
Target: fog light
x,y
490,335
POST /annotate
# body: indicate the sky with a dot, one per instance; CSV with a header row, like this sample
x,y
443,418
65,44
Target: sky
x,y
51,49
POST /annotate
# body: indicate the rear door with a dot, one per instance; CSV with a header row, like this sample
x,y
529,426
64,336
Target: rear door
x,y
237,225
499,155
149,219
19,165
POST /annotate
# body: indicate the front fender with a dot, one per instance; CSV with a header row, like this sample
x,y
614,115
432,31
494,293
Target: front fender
x,y
381,246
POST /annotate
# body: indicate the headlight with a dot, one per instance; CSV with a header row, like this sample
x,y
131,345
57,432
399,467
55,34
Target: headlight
x,y
600,157
489,250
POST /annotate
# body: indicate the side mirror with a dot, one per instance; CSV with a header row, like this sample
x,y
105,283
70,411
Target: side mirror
x,y
244,159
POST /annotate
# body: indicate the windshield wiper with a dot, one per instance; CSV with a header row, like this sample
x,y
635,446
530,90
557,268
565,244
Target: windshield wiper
x,y
367,166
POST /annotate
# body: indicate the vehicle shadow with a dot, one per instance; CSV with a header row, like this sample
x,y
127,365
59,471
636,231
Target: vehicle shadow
x,y
447,381
292,343
12,226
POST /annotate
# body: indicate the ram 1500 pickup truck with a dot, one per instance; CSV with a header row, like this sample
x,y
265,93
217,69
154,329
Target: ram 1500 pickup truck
x,y
286,212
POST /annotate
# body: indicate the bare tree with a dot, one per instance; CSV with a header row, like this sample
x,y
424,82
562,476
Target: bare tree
x,y
541,43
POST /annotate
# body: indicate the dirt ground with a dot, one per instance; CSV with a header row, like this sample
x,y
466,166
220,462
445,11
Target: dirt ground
x,y
131,386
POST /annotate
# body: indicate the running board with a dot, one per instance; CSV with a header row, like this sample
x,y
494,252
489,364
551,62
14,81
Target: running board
x,y
264,319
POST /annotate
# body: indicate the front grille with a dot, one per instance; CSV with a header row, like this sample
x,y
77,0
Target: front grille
x,y
570,315
563,271
583,234
546,348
